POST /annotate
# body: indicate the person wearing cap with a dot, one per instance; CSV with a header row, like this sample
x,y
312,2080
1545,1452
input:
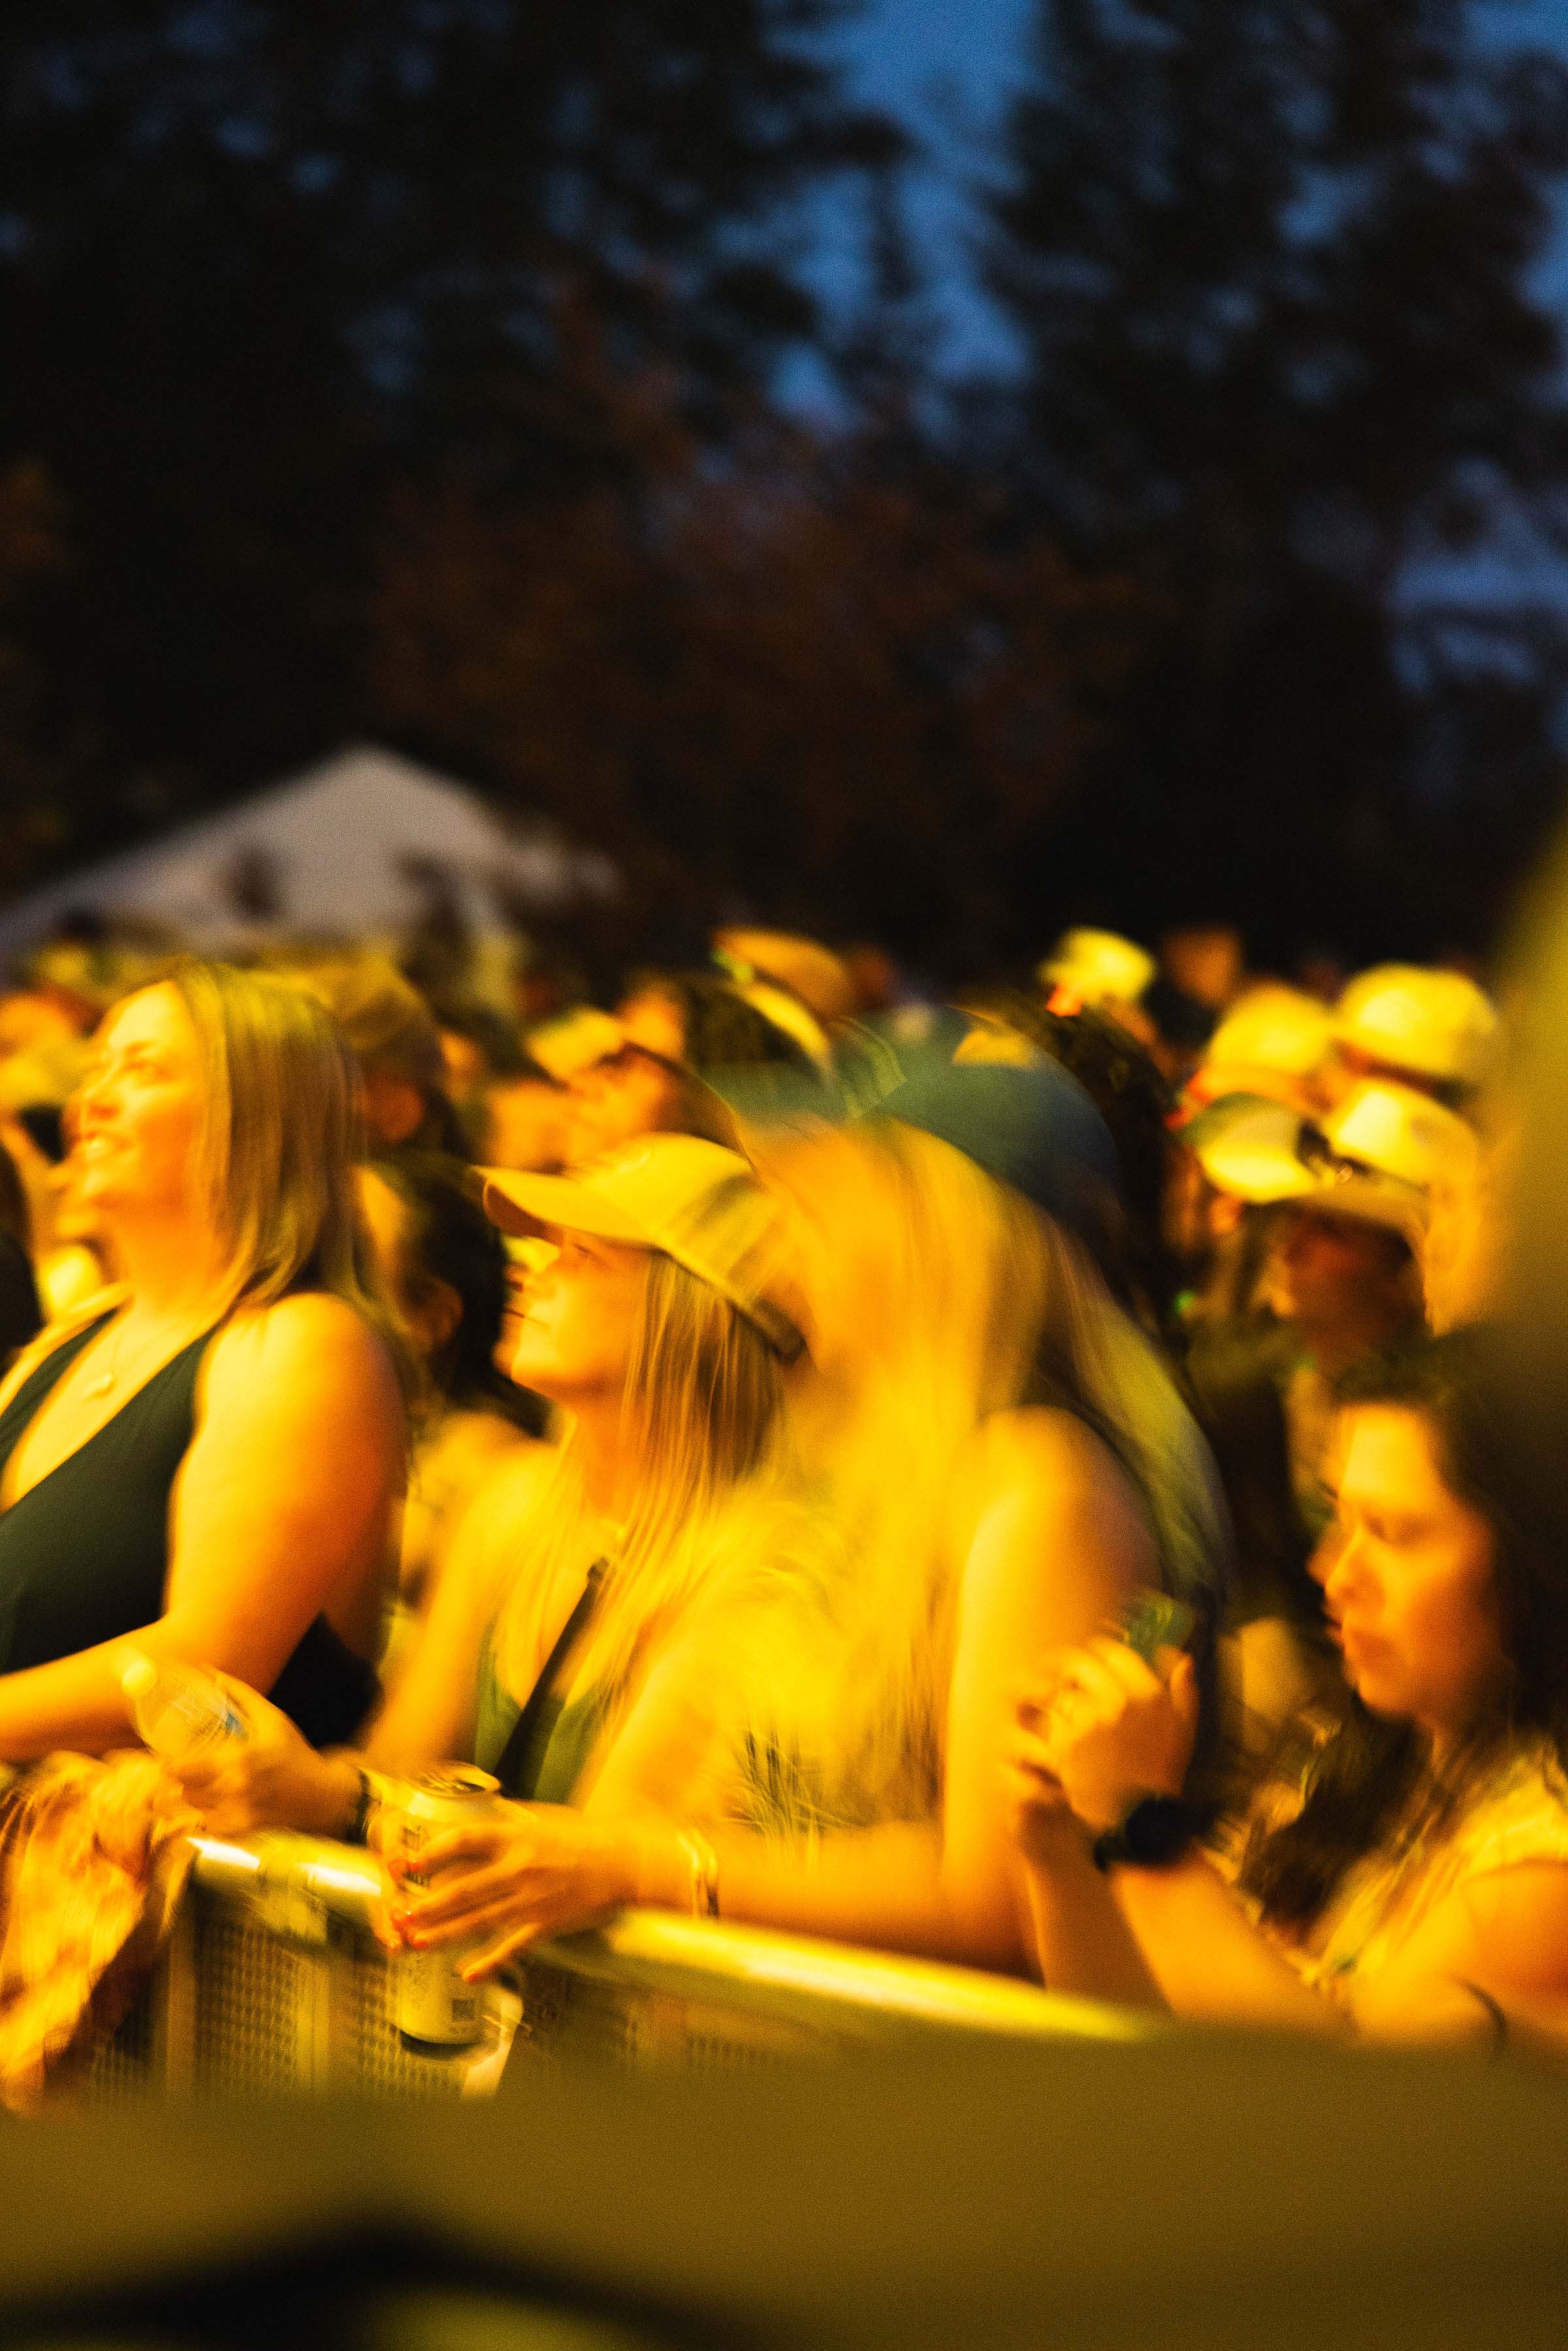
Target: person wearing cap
x,y
1104,971
1435,1030
1002,1456
1275,1041
645,1078
613,1648
1340,1283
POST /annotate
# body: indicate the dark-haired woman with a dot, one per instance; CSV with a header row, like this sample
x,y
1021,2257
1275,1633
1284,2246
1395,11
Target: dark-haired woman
x,y
1414,1879
444,1264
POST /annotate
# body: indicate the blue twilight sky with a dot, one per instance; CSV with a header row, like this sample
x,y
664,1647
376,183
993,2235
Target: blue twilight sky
x,y
945,68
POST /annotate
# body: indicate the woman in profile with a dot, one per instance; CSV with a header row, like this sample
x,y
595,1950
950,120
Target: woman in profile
x,y
1407,1876
1005,1465
442,1265
209,1459
607,1629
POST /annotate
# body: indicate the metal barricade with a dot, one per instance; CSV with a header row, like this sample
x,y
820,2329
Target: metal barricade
x,y
275,1982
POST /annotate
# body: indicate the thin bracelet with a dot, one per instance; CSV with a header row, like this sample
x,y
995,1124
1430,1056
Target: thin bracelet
x,y
370,1803
703,1862
1495,2014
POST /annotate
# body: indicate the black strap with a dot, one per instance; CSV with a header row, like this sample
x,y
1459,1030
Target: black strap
x,y
519,1744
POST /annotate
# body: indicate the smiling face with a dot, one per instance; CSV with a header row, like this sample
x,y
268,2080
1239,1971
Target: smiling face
x,y
575,1337
137,1119
1409,1578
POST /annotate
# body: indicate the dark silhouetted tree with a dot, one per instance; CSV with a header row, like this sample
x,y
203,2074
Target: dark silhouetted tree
x,y
801,686
261,262
1270,265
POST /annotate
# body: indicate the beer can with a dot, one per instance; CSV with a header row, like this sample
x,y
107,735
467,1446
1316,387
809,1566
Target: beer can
x,y
433,2010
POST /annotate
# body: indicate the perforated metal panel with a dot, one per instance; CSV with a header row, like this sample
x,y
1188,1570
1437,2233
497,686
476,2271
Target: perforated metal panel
x,y
260,2021
571,2018
273,1983
126,2066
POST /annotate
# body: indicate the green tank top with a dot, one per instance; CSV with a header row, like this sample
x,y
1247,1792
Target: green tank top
x,y
556,1755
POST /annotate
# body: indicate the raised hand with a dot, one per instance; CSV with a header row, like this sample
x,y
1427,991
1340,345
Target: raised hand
x,y
1114,1729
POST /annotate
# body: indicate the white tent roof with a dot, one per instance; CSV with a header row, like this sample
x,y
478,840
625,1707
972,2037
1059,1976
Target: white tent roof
x,y
335,846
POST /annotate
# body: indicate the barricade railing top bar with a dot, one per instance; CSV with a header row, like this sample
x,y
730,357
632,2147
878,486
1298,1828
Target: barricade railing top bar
x,y
754,1966
837,1986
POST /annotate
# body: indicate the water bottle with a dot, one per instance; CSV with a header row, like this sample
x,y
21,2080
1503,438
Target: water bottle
x,y
178,1710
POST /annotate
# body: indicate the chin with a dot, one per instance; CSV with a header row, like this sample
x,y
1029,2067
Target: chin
x,y
528,1370
1380,1694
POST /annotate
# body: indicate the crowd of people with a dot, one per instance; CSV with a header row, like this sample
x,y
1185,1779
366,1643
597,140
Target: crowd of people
x,y
1019,1480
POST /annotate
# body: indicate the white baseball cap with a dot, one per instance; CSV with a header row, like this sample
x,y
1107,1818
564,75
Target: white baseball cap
x,y
1266,1152
1249,1147
691,1200
1436,1024
1400,1131
1098,967
1279,1029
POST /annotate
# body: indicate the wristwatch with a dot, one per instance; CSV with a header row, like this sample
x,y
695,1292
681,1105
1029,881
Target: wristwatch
x,y
1154,1834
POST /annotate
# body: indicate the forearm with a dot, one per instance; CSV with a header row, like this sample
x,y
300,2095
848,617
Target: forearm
x,y
880,1887
1206,1957
328,1803
406,1737
1082,1942
73,1702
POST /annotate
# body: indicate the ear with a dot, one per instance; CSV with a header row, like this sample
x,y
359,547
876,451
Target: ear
x,y
438,1315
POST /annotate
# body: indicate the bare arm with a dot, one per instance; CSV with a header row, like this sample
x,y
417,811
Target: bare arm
x,y
1179,1938
284,1501
1058,1546
1107,1731
1055,1544
1506,1935
275,1779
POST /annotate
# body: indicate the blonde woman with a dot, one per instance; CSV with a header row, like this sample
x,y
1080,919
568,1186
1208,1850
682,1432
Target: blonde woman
x,y
603,1631
1007,1465
210,1457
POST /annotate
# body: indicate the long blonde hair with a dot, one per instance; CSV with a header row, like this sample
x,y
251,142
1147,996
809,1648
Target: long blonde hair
x,y
701,1400
976,1301
278,1139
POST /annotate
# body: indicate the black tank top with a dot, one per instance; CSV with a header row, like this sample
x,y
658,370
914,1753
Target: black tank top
x,y
84,1554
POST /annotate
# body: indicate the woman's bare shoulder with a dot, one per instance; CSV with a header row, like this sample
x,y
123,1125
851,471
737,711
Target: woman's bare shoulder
x,y
1035,1444
1044,1471
307,1323
310,1347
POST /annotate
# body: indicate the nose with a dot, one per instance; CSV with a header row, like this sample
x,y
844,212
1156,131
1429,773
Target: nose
x,y
89,1101
1325,1554
1344,1573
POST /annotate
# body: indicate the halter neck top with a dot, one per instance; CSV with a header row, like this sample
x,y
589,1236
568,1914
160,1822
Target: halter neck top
x,y
84,1554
